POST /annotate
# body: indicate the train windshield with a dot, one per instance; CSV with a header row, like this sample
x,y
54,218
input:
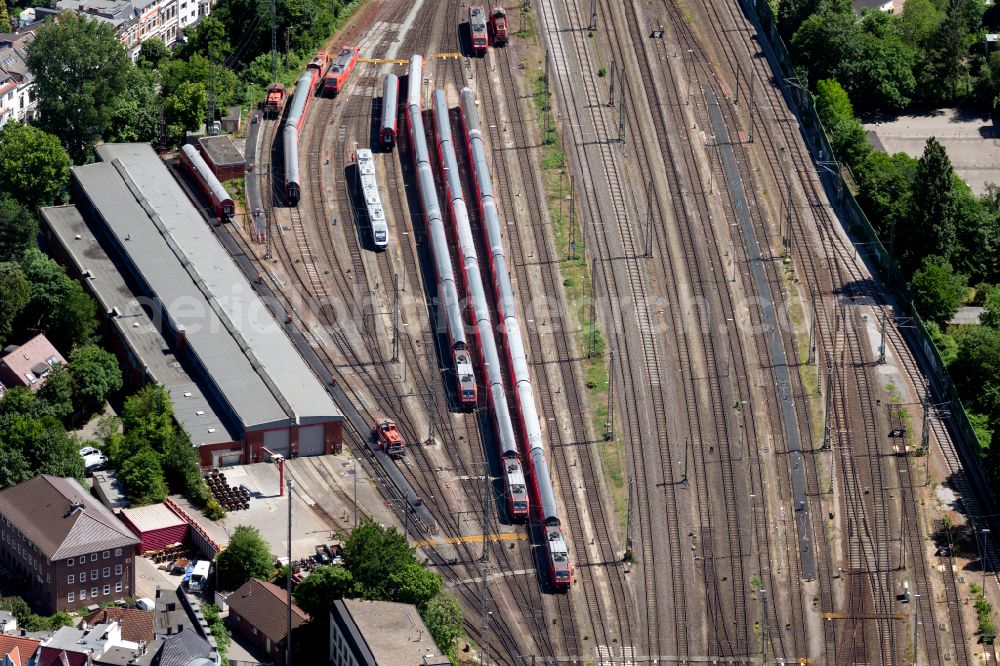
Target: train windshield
x,y
380,237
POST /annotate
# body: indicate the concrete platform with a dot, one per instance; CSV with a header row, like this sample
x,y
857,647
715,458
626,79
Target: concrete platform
x,y
970,139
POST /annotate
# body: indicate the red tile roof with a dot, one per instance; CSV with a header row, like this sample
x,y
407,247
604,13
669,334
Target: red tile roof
x,y
18,649
28,359
137,625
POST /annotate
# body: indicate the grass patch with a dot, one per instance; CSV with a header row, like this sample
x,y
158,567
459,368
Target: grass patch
x,y
575,271
526,27
237,188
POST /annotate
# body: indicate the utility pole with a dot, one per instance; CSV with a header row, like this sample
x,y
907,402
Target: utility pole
x,y
649,220
684,474
881,346
210,122
813,334
288,578
395,317
354,468
609,428
484,615
572,215
827,403
629,555
274,41
611,88
621,110
487,496
788,226
592,348
925,435
593,15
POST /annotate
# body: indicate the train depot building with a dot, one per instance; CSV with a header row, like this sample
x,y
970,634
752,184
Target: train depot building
x,y
179,312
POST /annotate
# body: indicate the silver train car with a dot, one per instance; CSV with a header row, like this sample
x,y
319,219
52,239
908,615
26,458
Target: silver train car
x,y
373,202
390,100
560,568
296,115
222,203
447,289
516,489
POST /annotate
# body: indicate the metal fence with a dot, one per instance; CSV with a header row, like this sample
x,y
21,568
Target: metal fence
x,y
818,142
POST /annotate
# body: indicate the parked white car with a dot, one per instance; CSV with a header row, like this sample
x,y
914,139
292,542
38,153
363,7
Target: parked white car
x,y
93,459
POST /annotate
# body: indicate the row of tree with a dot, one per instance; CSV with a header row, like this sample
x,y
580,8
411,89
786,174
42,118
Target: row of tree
x,y
88,89
378,564
933,52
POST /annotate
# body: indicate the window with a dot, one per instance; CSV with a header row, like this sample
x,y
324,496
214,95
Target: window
x,y
107,572
118,570
107,590
93,592
70,598
69,579
93,557
93,574
69,562
83,595
118,587
83,576
118,552
106,554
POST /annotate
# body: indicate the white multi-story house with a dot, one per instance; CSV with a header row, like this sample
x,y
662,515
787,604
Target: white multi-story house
x,y
17,99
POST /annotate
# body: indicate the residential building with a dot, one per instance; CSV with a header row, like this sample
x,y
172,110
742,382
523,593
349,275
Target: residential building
x,y
17,96
136,625
29,364
259,611
187,648
380,633
18,650
69,644
71,549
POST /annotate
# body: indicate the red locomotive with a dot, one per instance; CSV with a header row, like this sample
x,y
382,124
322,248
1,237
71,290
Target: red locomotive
x,y
389,439
498,26
477,29
275,100
342,67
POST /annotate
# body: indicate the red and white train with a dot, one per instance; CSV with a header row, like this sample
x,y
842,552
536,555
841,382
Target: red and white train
x,y
340,70
465,380
560,567
489,356
222,203
304,90
477,29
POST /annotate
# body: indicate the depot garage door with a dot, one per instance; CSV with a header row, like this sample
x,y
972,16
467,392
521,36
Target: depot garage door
x,y
311,440
277,441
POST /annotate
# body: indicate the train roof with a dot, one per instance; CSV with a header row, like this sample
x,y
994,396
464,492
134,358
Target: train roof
x,y
477,17
347,53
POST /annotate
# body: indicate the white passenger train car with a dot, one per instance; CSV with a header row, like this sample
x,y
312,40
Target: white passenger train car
x,y
373,203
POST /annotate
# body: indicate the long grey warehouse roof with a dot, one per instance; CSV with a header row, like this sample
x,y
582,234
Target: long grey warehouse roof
x,y
228,328
191,408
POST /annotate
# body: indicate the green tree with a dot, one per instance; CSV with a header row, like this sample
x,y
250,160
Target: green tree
x,y
80,71
186,107
59,306
413,584
96,375
976,370
885,183
44,444
15,294
135,114
937,290
34,168
183,468
443,617
850,142
977,234
324,585
57,393
991,317
247,556
153,52
793,13
932,223
882,78
945,66
5,22
824,42
143,477
372,553
147,419
18,228
14,467
919,21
